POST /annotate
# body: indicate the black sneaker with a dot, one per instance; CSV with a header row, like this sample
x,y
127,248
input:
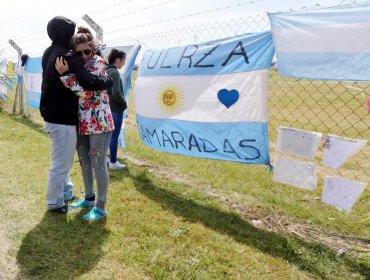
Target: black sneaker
x,y
72,199
60,210
69,196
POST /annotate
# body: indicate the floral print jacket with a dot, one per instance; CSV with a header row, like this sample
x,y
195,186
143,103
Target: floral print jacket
x,y
93,109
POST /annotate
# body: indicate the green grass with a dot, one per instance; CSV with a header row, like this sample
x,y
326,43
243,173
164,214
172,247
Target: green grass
x,y
160,229
156,229
253,186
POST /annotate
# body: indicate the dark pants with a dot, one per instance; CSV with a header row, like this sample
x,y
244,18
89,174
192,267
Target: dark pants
x,y
117,119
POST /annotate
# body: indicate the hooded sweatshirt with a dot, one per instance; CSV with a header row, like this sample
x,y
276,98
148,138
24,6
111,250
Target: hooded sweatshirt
x,y
117,100
59,104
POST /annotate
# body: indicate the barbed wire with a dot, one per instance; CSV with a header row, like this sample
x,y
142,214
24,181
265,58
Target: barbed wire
x,y
185,16
31,38
33,35
3,49
137,11
346,2
110,7
27,38
224,28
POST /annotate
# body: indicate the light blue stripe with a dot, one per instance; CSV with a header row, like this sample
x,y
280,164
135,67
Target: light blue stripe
x,y
33,99
3,63
121,139
127,75
325,66
248,52
240,142
19,79
356,13
33,65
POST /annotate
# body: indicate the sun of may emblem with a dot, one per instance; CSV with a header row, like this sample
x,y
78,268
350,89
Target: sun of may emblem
x,y
171,98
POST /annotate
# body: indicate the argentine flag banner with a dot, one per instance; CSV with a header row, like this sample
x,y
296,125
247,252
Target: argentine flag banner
x,y
207,100
327,44
32,81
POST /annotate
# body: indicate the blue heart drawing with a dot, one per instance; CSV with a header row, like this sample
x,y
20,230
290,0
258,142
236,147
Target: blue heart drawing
x,y
228,97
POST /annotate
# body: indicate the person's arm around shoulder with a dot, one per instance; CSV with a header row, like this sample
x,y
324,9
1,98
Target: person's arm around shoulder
x,y
68,79
87,80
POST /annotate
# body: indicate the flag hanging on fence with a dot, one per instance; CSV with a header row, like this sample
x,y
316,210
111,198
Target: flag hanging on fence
x,y
128,70
127,85
327,44
207,100
32,81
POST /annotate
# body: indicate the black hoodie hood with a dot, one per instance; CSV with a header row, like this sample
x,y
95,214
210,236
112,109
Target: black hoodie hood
x,y
61,30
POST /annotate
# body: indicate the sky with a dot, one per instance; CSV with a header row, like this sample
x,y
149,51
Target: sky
x,y
25,21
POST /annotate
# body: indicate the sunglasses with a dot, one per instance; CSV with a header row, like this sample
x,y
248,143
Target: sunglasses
x,y
85,52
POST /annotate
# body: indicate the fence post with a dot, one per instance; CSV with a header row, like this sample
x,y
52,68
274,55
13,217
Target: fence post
x,y
19,88
95,26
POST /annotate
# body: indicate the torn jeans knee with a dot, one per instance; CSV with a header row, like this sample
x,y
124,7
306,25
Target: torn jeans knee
x,y
97,158
83,158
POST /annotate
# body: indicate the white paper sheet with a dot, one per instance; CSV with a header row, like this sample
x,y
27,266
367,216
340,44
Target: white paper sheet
x,y
341,192
298,142
337,150
297,173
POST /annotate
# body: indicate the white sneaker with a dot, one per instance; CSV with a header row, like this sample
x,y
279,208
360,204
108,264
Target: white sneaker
x,y
117,165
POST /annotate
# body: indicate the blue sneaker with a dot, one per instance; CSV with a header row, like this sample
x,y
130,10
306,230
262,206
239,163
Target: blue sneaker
x,y
82,204
95,214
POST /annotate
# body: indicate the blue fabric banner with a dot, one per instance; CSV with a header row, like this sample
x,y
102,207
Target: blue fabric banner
x,y
207,100
32,81
326,44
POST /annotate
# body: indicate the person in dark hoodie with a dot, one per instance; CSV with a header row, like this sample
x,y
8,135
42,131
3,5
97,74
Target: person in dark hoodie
x,y
59,109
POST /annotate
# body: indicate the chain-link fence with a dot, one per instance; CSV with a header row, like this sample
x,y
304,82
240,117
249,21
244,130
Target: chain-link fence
x,y
324,106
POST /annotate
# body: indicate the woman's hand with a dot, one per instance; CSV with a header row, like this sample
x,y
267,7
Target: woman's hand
x,y
61,65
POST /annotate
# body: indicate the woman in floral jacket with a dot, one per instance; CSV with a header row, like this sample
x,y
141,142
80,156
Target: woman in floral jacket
x,y
95,128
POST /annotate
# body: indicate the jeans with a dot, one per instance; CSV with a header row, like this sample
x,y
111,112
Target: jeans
x,y
63,145
92,153
113,146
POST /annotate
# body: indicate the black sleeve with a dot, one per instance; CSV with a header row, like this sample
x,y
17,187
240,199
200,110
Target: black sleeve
x,y
87,80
